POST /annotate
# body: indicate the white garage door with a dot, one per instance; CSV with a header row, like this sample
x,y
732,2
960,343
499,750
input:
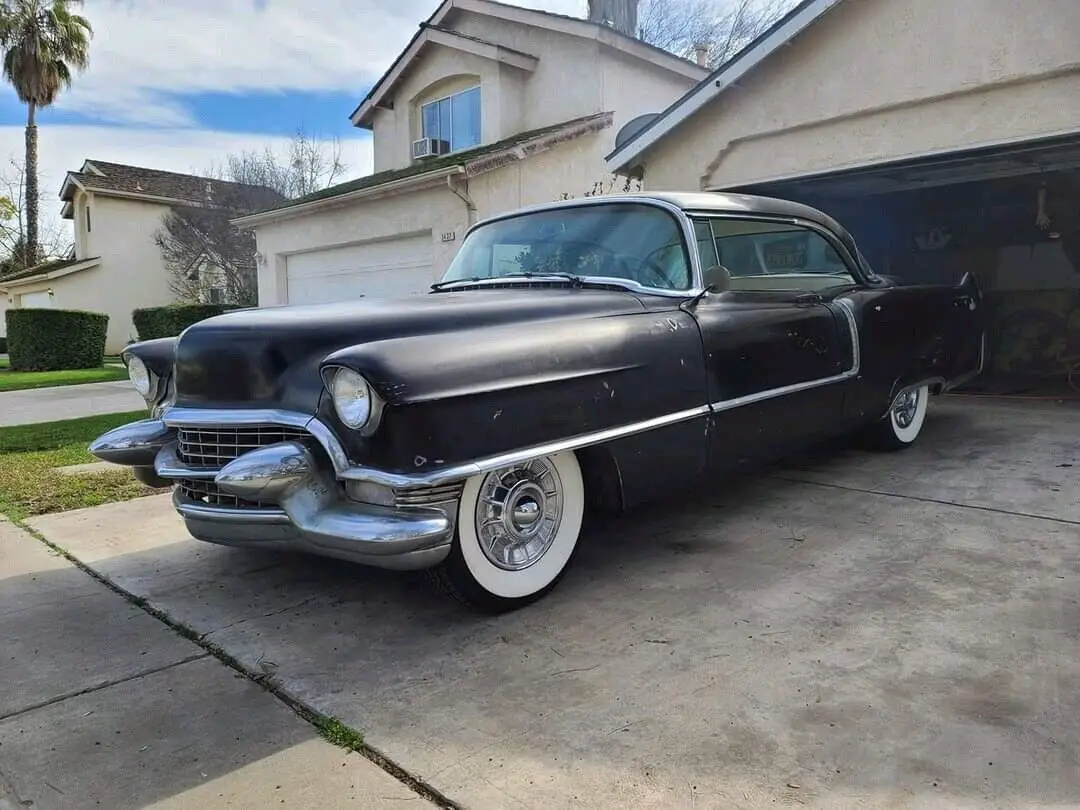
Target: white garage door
x,y
374,270
37,300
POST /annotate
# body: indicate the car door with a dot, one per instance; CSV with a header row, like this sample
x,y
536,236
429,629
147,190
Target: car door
x,y
779,342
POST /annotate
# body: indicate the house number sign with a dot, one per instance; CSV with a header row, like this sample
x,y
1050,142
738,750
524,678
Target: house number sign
x,y
449,236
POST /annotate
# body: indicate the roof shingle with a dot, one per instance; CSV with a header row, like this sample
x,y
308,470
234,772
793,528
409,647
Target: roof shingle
x,y
189,188
446,161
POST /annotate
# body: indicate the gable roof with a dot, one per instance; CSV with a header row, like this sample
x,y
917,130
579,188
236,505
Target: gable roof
x,y
437,29
121,180
727,75
469,162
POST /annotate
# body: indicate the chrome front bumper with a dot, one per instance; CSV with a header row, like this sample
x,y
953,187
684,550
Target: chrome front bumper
x,y
287,496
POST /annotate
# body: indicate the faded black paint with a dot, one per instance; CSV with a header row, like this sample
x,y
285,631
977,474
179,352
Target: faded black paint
x,y
473,373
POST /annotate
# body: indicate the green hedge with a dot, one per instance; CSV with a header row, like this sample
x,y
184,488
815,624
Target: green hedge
x,y
158,322
3,345
55,339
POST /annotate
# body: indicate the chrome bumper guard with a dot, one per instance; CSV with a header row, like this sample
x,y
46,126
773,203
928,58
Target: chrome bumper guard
x,y
297,501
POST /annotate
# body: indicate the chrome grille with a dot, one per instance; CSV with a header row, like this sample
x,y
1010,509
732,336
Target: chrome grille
x,y
426,496
214,446
200,490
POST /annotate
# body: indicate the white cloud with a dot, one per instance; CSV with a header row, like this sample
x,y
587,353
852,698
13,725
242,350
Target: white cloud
x,y
143,49
64,148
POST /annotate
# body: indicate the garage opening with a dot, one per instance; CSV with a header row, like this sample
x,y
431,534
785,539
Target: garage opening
x,y
1010,215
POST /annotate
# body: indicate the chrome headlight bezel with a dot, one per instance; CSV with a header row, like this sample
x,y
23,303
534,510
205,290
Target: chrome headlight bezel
x,y
338,381
140,376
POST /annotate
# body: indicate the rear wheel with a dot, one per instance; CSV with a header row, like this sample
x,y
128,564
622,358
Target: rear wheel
x,y
903,424
517,530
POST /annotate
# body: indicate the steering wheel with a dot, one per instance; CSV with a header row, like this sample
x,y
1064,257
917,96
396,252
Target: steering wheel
x,y
654,270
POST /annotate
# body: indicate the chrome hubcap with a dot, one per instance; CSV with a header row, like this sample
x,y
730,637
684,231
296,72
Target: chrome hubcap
x,y
518,514
905,408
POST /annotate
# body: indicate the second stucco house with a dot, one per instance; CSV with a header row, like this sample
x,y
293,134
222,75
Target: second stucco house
x,y
116,266
490,107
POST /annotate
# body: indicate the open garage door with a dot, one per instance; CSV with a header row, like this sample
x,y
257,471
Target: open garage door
x,y
380,269
1008,214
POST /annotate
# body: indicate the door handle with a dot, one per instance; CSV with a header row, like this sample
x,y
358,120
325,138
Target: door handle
x,y
808,298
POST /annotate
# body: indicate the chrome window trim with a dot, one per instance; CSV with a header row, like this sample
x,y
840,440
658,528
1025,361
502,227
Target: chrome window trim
x,y
851,263
685,225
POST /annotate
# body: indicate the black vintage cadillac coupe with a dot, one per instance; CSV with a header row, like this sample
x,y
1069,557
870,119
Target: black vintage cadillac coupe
x,y
585,354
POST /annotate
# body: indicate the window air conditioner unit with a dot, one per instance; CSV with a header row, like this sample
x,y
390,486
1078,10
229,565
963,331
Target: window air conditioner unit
x,y
429,147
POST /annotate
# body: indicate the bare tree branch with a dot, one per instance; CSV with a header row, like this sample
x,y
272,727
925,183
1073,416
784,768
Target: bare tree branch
x,y
310,164
724,28
203,251
204,254
54,240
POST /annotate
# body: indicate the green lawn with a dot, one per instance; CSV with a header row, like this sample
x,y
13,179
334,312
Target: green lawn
x,y
20,380
29,484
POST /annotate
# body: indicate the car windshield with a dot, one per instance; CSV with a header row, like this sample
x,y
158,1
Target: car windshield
x,y
638,243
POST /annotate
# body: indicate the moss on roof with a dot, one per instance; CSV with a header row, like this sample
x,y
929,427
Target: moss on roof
x,y
41,269
432,164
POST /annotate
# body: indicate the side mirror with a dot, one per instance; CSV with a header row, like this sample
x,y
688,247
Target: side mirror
x,y
717,278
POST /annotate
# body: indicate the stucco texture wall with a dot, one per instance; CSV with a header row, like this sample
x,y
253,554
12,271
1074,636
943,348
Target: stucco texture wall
x,y
571,167
131,274
434,209
884,79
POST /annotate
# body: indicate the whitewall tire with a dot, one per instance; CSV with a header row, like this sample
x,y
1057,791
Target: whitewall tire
x,y
517,530
904,421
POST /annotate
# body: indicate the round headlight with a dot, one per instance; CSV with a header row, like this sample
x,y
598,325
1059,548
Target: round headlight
x,y
352,398
139,375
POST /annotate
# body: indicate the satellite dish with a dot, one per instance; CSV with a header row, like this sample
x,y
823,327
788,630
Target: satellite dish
x,y
631,128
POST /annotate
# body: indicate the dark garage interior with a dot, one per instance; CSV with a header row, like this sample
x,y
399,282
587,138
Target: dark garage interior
x,y
1010,215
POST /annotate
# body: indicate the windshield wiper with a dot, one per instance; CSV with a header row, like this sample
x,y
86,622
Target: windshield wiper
x,y
438,285
576,281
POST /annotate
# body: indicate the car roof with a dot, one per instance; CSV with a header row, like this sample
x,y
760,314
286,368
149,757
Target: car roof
x,y
695,202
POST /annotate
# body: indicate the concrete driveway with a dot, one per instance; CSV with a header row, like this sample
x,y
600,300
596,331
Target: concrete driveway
x,y
848,630
68,402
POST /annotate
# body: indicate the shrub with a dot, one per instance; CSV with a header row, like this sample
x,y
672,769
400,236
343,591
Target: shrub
x,y
159,322
3,345
55,339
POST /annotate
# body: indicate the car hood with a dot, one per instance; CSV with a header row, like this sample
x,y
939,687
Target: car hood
x,y
269,357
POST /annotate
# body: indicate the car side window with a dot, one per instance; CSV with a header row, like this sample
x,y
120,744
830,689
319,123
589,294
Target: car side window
x,y
762,255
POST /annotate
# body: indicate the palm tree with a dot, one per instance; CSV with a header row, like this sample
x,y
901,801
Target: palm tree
x,y
43,41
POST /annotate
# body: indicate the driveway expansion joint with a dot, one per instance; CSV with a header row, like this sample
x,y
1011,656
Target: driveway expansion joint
x,y
329,728
923,499
103,685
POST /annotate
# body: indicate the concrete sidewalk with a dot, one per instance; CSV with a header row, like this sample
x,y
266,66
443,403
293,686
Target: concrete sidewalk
x,y
102,705
67,402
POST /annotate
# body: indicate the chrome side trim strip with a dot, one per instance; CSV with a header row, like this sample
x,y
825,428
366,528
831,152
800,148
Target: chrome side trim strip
x,y
457,472
796,388
345,471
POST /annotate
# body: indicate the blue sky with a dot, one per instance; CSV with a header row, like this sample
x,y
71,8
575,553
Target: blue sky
x,y
179,84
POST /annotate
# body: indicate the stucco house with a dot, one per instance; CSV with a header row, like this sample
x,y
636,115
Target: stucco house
x,y
488,108
116,266
946,135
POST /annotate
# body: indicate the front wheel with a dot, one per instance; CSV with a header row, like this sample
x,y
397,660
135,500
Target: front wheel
x,y
902,425
517,529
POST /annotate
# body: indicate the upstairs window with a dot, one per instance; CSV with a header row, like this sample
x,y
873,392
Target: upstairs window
x,y
455,119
